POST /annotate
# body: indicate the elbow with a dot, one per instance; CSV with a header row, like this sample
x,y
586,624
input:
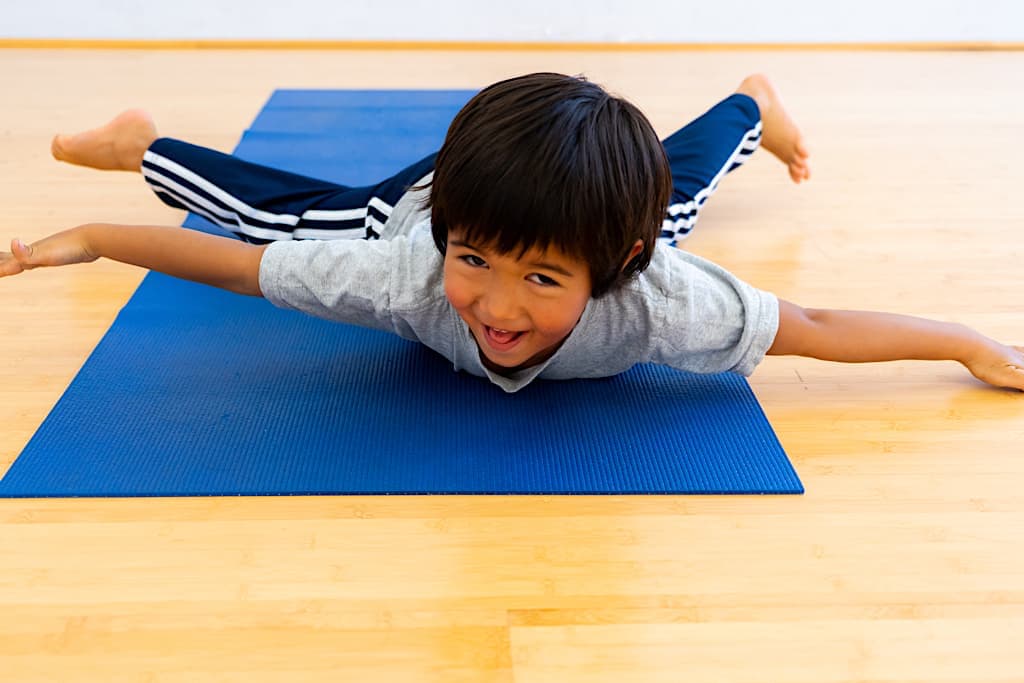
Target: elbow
x,y
814,316
248,282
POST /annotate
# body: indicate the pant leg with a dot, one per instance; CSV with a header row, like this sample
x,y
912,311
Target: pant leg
x,y
262,204
701,153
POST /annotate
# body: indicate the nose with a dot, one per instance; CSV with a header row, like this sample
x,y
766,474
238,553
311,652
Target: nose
x,y
499,305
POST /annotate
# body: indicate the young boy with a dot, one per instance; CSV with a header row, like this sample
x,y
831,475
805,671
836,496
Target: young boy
x,y
534,244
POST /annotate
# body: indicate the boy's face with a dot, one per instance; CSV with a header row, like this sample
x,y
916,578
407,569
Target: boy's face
x,y
519,309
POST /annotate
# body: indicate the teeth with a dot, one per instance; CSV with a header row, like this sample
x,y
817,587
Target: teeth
x,y
501,336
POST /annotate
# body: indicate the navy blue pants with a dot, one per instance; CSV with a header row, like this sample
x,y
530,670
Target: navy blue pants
x,y
262,204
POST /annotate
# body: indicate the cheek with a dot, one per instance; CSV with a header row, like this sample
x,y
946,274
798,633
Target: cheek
x,y
459,294
558,319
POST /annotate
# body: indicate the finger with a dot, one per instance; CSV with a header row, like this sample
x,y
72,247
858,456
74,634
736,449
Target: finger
x,y
30,256
9,265
24,253
1014,379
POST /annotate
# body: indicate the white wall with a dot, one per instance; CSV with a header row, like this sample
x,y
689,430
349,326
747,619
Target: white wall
x,y
522,20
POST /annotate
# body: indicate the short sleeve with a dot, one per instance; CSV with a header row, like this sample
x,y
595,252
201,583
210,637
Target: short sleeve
x,y
712,321
341,280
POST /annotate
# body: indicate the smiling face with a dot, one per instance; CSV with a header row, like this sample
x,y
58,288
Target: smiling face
x,y
519,308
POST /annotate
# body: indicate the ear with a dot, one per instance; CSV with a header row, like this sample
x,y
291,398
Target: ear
x,y
634,251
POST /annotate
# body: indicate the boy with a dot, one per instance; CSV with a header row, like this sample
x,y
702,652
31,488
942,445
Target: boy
x,y
532,245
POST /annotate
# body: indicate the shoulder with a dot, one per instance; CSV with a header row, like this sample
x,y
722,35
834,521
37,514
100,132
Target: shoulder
x,y
687,279
671,263
417,276
415,248
410,211
388,272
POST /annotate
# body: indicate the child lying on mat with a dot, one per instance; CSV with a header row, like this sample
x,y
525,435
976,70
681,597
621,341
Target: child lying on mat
x,y
535,243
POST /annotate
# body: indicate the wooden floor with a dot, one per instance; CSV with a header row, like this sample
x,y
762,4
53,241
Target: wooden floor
x,y
904,561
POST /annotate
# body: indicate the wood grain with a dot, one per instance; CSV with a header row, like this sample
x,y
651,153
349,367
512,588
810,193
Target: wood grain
x,y
902,563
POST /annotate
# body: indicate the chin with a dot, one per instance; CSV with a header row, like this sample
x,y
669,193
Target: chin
x,y
507,363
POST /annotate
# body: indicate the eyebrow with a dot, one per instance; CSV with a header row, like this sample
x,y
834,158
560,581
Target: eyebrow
x,y
544,265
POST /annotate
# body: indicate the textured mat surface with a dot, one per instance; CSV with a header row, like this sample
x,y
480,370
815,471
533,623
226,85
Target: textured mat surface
x,y
194,391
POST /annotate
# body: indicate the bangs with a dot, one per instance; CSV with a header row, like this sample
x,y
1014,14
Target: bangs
x,y
511,210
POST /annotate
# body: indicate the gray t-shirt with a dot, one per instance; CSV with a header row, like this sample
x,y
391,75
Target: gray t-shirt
x,y
682,311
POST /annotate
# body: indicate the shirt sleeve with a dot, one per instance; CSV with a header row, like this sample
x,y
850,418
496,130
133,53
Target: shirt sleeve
x,y
713,321
342,280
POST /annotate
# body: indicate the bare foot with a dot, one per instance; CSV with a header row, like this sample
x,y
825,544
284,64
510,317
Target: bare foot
x,y
779,133
116,146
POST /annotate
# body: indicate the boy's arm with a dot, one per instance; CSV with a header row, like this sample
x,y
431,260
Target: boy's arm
x,y
187,254
864,336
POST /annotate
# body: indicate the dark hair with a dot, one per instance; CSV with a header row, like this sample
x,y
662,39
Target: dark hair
x,y
552,160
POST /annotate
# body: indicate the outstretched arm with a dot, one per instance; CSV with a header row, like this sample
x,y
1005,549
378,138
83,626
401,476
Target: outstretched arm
x,y
187,254
864,336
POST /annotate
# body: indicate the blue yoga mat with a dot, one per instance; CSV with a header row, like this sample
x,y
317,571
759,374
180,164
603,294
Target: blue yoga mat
x,y
195,391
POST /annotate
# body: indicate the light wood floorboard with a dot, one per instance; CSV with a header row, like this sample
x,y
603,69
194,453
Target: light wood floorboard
x,y
902,563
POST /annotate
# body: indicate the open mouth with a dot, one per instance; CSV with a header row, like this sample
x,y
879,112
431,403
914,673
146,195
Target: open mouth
x,y
501,340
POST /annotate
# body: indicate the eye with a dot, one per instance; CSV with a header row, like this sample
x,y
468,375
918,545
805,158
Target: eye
x,y
543,280
473,260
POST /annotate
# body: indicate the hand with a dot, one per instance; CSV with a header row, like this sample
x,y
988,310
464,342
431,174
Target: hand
x,y
61,249
999,365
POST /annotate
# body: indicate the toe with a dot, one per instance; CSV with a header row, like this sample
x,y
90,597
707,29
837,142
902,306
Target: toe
x,y
57,147
801,149
799,172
